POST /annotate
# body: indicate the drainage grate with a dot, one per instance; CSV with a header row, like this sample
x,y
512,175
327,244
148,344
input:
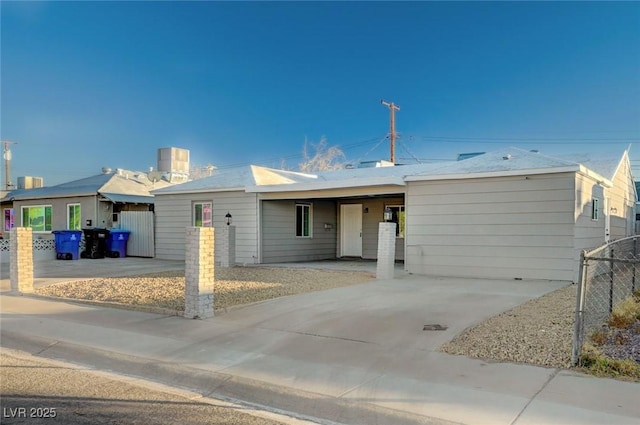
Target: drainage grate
x,y
434,327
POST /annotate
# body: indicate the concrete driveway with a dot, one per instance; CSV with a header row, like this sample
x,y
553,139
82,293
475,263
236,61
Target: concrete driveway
x,y
323,354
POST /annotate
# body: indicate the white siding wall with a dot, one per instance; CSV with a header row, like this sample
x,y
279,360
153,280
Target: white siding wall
x,y
509,227
174,213
622,202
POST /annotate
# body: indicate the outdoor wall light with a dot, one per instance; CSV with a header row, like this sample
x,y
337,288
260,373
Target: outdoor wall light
x,y
228,217
614,210
388,214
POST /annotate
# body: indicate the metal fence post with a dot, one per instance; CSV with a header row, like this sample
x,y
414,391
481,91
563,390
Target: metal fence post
x,y
578,328
635,256
611,282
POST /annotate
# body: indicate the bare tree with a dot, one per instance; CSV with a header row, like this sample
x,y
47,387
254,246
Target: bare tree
x,y
321,157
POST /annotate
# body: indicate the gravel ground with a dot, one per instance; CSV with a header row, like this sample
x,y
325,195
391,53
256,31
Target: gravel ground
x,y
233,286
537,332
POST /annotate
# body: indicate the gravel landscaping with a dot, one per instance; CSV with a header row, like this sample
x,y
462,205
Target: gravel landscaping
x,y
537,332
233,286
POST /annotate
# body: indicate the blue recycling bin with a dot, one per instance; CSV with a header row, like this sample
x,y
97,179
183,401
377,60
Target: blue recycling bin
x,y
117,243
67,244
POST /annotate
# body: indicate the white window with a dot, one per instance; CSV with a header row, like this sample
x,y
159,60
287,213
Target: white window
x,y
203,214
397,217
38,217
74,221
595,209
303,220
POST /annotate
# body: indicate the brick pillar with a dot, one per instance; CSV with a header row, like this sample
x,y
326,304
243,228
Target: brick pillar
x,y
21,260
386,250
199,273
227,246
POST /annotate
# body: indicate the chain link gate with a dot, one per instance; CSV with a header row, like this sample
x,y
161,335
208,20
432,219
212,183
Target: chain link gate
x,y
608,275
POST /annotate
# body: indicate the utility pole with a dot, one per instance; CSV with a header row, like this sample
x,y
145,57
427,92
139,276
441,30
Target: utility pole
x,y
392,127
6,154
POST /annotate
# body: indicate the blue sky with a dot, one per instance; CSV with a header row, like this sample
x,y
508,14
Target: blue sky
x,y
92,84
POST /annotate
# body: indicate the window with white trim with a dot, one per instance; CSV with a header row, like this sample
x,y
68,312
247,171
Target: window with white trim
x,y
397,217
74,221
303,221
595,209
38,217
203,214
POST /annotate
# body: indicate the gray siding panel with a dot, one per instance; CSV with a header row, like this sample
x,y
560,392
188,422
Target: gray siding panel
x,y
509,227
174,214
279,240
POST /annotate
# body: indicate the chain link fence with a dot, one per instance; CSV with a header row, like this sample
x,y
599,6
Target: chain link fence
x,y
608,275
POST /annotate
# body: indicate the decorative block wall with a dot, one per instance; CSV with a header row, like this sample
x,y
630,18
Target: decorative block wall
x,y
21,260
226,255
199,272
386,250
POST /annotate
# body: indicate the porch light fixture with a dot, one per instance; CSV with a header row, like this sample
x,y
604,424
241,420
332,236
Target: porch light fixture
x,y
228,217
388,214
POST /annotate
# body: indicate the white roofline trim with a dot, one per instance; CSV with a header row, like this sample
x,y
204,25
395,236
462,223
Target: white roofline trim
x,y
485,174
603,181
206,190
324,185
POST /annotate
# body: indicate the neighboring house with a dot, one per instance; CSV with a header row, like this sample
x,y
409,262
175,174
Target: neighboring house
x,y
507,214
90,202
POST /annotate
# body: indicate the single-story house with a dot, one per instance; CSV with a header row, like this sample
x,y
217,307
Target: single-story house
x,y
90,202
507,214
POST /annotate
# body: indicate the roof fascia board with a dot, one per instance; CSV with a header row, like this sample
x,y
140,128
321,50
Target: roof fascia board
x,y
326,185
53,196
485,174
595,176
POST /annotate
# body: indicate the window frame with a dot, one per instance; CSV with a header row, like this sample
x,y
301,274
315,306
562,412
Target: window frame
x,y
400,230
299,227
9,221
194,214
78,218
44,207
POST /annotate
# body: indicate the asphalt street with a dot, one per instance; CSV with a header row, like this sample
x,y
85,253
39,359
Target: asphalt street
x,y
36,391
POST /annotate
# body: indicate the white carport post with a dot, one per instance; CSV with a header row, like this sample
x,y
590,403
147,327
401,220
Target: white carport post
x,y
386,250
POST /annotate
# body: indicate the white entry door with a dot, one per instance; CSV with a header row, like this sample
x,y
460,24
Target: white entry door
x,y
351,230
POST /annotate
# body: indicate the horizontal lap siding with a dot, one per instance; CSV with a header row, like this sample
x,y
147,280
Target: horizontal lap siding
x,y
511,227
279,240
174,214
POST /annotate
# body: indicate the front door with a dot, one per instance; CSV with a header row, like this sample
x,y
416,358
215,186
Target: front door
x,y
351,230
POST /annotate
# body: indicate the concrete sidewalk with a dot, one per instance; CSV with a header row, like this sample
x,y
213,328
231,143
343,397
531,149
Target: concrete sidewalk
x,y
352,355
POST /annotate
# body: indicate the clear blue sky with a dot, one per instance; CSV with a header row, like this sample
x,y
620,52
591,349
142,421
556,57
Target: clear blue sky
x,y
87,84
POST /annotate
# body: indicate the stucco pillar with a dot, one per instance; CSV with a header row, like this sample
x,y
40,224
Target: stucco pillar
x,y
199,273
227,245
386,251
21,260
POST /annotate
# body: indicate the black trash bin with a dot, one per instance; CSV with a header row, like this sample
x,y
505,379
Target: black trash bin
x,y
95,241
